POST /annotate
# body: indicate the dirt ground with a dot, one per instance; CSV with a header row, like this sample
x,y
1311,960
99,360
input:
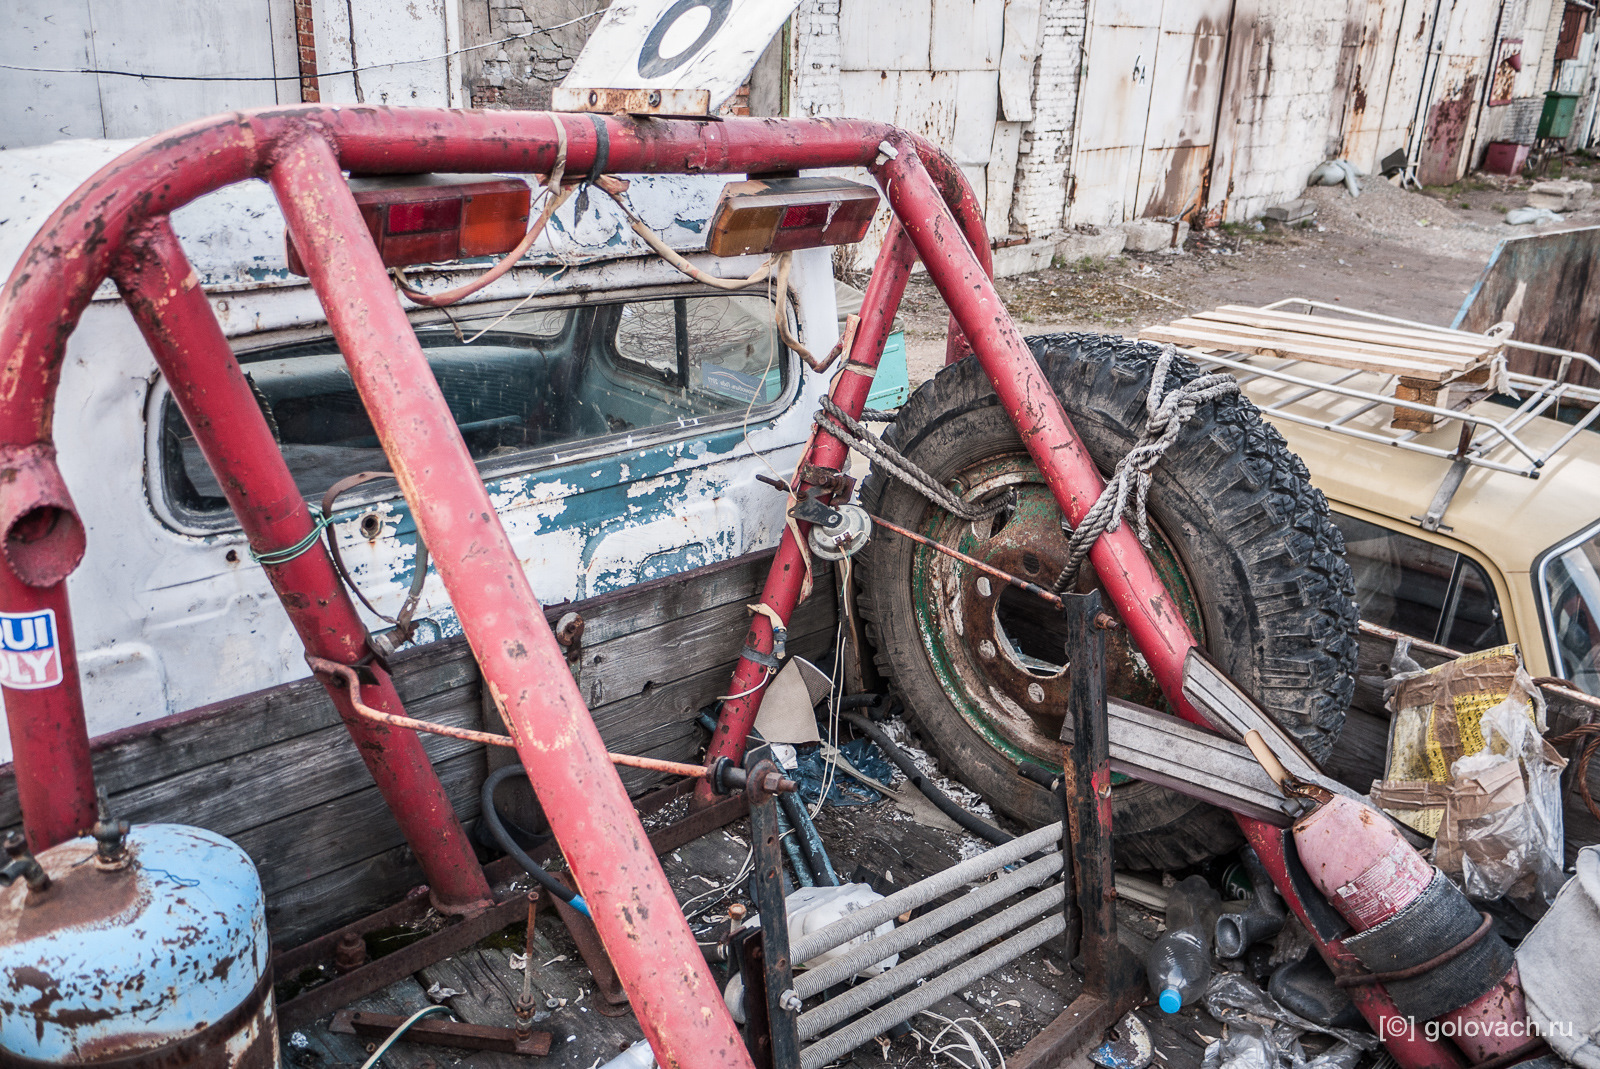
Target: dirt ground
x,y
1398,252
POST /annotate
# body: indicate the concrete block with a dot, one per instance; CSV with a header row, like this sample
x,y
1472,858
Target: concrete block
x,y
1101,243
1023,259
1292,211
1154,235
1560,194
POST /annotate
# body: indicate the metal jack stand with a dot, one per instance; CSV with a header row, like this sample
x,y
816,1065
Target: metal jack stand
x,y
771,1004
1111,976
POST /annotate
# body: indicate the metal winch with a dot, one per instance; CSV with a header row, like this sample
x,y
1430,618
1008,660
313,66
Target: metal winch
x,y
136,948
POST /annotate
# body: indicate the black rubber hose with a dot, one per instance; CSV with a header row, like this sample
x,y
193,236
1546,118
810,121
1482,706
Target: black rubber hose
x,y
981,828
491,818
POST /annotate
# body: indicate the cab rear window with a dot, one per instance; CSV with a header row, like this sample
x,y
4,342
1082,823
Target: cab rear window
x,y
547,381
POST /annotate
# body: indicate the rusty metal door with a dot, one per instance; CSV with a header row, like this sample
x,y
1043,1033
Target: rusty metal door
x,y
1149,108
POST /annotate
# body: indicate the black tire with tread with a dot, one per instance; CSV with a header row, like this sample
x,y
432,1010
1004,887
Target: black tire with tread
x,y
1267,564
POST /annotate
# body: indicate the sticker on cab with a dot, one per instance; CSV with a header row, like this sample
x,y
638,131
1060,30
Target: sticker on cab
x,y
30,657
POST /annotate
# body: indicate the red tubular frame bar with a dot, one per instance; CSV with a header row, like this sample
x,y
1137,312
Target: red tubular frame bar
x,y
116,223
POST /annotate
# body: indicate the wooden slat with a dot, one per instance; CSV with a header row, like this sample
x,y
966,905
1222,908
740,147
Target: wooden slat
x,y
1389,334
1457,362
1375,327
1209,341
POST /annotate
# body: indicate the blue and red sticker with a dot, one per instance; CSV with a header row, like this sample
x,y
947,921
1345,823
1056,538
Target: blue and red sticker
x,y
30,655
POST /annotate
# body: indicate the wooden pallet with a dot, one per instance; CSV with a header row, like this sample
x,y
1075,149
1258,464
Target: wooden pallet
x,y
1428,364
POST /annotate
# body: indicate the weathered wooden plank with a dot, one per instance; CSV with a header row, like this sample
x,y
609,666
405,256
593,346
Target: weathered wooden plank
x,y
1288,347
657,654
1459,358
315,842
1474,347
241,792
1373,326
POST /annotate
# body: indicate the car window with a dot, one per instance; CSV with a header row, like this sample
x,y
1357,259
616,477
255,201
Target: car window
x,y
1571,587
1420,589
515,384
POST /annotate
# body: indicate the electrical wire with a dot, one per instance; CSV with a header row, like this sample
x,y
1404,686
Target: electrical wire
x,y
383,1048
147,76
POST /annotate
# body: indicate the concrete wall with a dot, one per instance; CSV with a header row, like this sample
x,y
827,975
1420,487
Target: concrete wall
x,y
255,38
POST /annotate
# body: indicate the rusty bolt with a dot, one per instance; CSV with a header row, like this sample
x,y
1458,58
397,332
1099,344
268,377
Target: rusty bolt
x,y
1106,622
350,953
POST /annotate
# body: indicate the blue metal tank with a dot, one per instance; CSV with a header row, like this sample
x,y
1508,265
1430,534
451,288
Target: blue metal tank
x,y
136,949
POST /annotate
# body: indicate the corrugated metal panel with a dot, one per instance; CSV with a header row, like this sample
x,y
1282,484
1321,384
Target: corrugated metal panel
x,y
877,36
1111,117
1002,177
1183,113
1017,56
977,102
48,107
967,35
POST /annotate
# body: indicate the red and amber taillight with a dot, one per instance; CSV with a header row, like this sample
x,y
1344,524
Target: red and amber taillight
x,y
780,214
430,218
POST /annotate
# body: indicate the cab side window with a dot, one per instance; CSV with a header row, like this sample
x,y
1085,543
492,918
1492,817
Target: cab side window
x,y
1420,589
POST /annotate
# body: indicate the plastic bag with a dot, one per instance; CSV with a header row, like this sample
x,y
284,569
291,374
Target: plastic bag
x,y
1502,828
1261,1034
1537,216
1337,173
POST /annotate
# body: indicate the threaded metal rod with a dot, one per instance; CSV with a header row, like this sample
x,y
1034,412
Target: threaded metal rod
x,y
858,998
936,886
915,1001
862,955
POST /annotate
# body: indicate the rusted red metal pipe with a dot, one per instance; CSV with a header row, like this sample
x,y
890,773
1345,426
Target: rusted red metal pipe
x,y
787,576
56,276
1400,1034
677,1002
163,292
1125,570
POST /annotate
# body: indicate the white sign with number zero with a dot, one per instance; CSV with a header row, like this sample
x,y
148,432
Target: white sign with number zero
x,y
30,656
678,44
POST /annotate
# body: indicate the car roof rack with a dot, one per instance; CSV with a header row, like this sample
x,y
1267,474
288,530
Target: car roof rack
x,y
1421,365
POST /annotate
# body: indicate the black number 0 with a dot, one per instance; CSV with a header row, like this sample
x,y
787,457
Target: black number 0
x,y
652,64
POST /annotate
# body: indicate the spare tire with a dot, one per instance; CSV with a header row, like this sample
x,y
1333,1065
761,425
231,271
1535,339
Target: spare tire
x,y
1241,538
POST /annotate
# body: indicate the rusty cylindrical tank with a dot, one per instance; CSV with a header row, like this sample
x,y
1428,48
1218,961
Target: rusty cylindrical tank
x,y
135,949
1410,919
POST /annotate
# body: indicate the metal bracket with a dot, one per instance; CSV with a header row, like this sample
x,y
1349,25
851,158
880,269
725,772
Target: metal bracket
x,y
1443,496
813,509
780,1046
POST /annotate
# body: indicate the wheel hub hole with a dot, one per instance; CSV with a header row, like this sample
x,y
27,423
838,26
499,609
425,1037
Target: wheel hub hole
x,y
1031,631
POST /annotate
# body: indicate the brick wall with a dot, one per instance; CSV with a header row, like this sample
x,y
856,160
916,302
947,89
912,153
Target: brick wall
x,y
814,71
521,73
1039,204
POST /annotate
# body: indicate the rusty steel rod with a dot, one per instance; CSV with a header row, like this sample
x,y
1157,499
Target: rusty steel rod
x,y
1021,584
678,1003
211,391
786,580
352,686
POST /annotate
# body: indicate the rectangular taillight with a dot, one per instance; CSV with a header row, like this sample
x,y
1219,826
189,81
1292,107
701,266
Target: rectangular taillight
x,y
431,218
780,214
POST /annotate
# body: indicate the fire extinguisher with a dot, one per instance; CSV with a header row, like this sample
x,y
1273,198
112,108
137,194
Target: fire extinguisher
x,y
1434,953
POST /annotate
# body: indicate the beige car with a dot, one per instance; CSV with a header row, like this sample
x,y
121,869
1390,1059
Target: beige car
x,y
1502,546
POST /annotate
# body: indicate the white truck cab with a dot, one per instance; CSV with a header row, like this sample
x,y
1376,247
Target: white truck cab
x,y
619,414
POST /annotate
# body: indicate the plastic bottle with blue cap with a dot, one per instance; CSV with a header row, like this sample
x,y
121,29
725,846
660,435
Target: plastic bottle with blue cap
x,y
1179,963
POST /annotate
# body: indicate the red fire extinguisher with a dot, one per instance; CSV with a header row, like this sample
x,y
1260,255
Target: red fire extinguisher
x,y
1437,957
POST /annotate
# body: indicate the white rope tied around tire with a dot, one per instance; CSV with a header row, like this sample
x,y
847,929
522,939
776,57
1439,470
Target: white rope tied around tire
x,y
1167,412
837,422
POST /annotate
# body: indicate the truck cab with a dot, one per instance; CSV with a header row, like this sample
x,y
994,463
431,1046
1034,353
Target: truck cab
x,y
618,413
